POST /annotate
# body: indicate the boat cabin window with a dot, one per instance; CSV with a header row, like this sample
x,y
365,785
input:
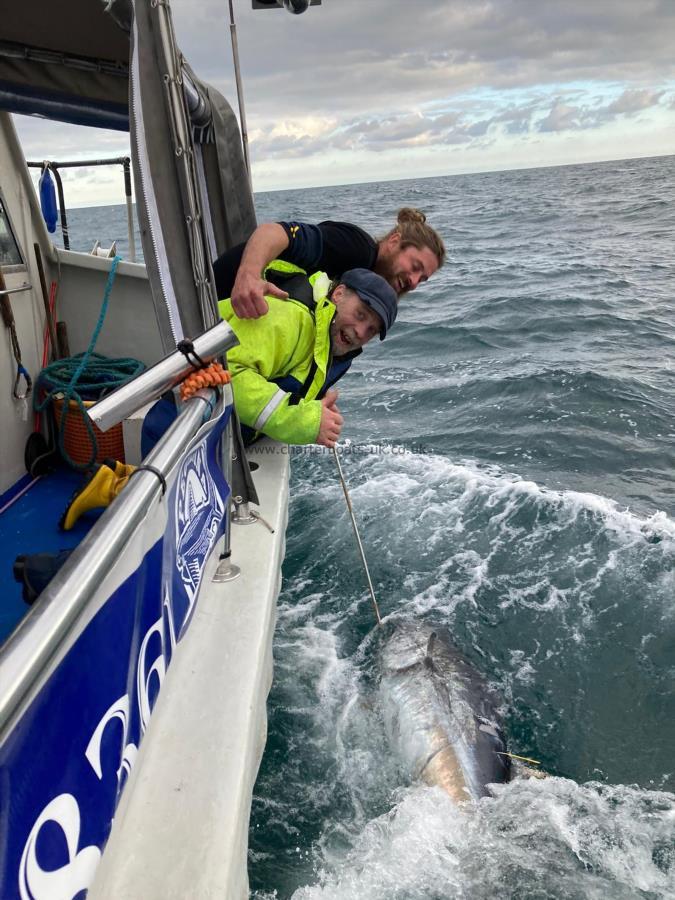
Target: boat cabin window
x,y
9,249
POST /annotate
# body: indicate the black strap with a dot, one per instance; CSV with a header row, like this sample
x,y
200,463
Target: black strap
x,y
297,286
187,348
146,468
297,396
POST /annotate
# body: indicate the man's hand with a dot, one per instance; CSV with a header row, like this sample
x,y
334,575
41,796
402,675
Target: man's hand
x,y
331,421
248,295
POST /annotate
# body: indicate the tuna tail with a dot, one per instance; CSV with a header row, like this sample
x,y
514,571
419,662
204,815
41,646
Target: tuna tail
x,y
522,770
428,658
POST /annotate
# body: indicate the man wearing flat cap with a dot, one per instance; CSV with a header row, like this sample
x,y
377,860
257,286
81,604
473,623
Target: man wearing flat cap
x,y
287,361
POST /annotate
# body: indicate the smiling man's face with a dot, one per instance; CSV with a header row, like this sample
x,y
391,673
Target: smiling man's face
x,y
354,322
404,268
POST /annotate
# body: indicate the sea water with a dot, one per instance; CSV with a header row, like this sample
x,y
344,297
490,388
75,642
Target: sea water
x,y
510,453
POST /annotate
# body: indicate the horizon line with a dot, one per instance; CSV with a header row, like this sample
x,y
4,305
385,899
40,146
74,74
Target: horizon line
x,y
318,187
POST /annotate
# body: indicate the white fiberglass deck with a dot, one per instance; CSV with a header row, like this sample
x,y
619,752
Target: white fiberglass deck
x,y
182,825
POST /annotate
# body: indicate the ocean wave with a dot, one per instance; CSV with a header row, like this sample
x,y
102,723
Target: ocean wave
x,y
552,838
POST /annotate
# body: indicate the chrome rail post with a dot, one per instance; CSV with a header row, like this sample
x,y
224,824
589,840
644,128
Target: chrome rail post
x,y
168,372
17,290
226,570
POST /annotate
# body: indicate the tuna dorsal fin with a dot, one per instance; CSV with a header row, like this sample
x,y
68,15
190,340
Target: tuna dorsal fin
x,y
428,658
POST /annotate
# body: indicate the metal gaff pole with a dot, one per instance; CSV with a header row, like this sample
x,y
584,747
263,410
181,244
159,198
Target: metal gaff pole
x,y
358,536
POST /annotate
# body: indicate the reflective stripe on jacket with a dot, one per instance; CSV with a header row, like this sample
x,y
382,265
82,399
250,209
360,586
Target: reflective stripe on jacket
x,y
281,347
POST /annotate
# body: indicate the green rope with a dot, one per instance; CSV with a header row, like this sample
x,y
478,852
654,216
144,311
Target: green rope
x,y
94,375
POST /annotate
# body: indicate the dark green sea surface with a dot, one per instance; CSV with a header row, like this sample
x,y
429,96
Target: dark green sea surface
x,y
511,458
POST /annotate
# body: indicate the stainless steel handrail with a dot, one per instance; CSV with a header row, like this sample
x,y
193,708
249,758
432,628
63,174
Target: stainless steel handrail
x,y
44,632
165,374
16,290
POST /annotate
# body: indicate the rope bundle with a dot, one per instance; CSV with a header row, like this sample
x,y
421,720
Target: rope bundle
x,y
99,376
94,375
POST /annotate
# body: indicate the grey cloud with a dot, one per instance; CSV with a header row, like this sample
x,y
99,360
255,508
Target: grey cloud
x,y
478,129
393,54
516,119
573,111
447,120
560,118
43,139
285,146
632,101
405,131
564,116
415,130
376,68
454,138
391,128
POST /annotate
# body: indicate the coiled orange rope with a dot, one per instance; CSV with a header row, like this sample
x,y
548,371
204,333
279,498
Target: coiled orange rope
x,y
210,376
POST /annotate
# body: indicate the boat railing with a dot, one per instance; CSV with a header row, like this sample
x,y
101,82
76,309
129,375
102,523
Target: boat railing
x,y
161,377
53,166
69,602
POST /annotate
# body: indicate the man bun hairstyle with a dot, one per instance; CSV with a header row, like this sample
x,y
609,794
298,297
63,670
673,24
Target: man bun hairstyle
x,y
411,224
409,214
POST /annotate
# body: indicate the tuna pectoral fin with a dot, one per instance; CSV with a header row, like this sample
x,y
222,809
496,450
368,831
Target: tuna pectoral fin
x,y
428,659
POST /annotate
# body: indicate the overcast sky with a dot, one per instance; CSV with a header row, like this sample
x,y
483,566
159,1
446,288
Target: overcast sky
x,y
364,90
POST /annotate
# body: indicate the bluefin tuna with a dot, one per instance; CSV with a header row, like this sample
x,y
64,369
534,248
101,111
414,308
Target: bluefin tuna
x,y
439,714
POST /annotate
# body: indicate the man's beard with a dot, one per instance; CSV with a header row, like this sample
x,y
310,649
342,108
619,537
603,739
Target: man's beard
x,y
385,268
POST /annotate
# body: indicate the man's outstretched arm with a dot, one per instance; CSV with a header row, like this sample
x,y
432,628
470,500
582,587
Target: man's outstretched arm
x,y
294,242
267,242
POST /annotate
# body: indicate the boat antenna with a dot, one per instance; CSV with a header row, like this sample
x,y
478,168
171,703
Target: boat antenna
x,y
356,532
240,92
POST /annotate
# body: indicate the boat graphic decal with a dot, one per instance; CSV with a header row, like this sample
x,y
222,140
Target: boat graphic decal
x,y
64,764
199,512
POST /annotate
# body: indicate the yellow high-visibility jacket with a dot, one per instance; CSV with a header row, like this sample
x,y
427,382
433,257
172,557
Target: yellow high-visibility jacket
x,y
277,355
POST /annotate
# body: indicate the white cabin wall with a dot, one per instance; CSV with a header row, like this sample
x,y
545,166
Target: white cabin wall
x,y
26,220
130,327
